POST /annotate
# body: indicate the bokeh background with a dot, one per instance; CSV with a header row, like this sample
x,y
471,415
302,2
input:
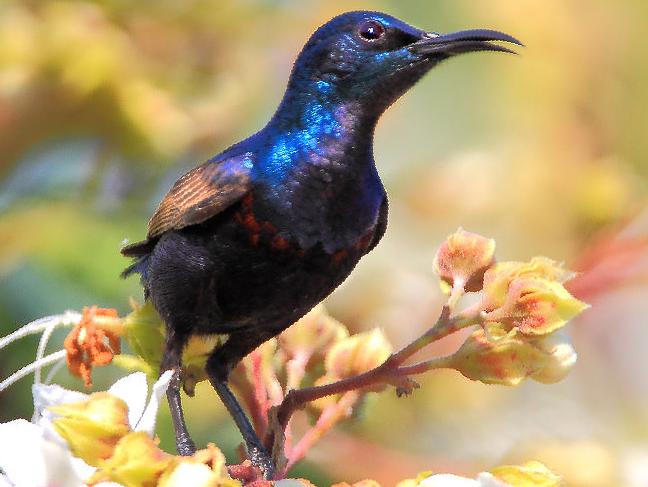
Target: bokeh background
x,y
103,104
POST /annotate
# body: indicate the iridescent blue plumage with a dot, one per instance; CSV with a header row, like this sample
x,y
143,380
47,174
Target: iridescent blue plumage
x,y
249,241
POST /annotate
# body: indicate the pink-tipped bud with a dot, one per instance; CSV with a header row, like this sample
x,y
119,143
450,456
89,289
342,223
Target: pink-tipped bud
x,y
462,260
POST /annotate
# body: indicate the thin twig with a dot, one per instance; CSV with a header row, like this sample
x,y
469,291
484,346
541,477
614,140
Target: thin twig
x,y
389,372
260,392
296,369
327,419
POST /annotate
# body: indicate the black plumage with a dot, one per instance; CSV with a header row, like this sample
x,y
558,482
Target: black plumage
x,y
248,242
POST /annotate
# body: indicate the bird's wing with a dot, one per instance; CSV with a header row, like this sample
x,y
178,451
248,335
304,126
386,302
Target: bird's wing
x,y
202,193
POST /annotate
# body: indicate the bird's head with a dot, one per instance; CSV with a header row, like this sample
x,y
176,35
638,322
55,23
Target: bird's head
x,y
375,58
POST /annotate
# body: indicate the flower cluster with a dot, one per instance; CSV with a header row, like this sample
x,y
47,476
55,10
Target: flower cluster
x,y
318,350
518,316
523,309
104,439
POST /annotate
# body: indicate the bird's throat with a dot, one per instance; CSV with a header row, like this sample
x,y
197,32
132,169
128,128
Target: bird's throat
x,y
320,166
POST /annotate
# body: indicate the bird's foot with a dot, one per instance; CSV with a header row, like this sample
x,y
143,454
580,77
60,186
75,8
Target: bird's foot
x,y
262,460
185,445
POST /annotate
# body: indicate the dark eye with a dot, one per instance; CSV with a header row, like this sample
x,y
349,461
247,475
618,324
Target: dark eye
x,y
371,30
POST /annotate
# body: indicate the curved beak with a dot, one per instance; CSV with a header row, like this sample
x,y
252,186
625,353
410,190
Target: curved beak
x,y
462,42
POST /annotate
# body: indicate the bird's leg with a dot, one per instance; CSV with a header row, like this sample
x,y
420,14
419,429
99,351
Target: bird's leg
x,y
218,367
256,451
172,360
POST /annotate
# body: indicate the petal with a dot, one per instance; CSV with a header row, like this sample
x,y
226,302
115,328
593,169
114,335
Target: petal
x,y
53,395
563,357
133,390
484,479
29,460
46,396
194,474
146,422
93,427
531,473
448,480
498,278
136,461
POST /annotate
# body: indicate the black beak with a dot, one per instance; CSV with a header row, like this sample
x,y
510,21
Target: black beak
x,y
462,42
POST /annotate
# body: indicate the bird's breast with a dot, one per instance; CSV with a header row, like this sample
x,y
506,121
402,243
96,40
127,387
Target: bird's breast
x,y
280,237
327,199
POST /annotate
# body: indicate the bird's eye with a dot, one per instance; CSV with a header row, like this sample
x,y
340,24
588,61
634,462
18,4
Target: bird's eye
x,y
371,30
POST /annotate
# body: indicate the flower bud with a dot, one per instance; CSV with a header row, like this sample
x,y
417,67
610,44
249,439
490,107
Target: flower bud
x,y
206,468
352,356
194,474
498,357
357,354
463,258
314,334
495,356
92,428
416,481
562,358
498,278
531,473
536,306
137,461
213,457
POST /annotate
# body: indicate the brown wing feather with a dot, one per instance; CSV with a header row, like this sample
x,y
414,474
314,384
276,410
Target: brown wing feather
x,y
202,193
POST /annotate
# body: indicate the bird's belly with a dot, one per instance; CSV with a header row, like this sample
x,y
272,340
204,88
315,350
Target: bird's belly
x,y
220,278
275,287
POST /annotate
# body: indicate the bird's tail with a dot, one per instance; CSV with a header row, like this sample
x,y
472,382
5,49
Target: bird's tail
x,y
139,251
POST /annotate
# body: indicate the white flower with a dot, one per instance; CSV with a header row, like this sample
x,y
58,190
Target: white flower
x,y
28,459
34,455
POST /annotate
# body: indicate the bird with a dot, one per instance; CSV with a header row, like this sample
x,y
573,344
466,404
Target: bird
x,y
249,241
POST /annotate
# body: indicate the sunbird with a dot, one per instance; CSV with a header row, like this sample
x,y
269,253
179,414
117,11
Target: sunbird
x,y
248,242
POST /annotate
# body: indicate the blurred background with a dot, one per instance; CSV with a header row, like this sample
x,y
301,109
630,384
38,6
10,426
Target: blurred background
x,y
104,104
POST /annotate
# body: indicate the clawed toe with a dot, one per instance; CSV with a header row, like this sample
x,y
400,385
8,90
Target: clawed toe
x,y
262,460
185,446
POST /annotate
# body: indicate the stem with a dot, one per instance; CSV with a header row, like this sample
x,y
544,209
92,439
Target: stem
x,y
391,371
442,328
327,419
432,364
296,369
456,293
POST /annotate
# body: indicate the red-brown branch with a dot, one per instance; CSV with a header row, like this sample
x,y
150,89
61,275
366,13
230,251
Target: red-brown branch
x,y
391,371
